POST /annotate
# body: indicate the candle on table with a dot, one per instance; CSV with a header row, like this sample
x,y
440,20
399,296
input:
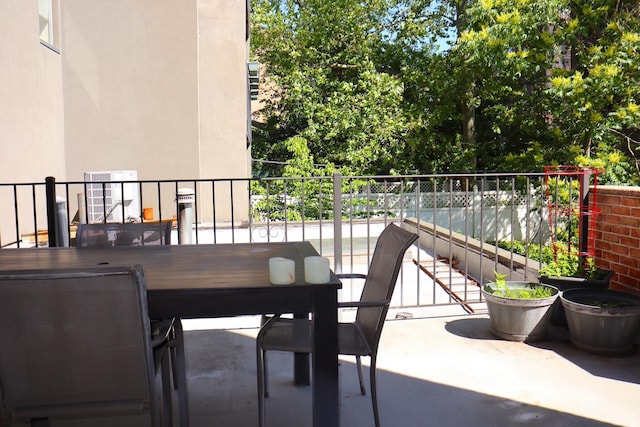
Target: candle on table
x,y
282,271
316,269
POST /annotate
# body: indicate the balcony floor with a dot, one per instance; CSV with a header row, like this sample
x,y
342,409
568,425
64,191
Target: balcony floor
x,y
442,369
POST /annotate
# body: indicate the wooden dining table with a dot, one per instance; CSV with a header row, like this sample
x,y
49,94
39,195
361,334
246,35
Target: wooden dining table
x,y
200,281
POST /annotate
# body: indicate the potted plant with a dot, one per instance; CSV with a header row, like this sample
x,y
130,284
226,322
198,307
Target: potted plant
x,y
519,311
566,270
572,205
602,321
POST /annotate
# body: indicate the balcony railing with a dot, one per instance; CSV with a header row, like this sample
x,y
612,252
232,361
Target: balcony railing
x,y
457,216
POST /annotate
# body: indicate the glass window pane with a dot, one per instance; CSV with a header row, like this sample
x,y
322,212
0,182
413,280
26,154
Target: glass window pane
x,y
46,21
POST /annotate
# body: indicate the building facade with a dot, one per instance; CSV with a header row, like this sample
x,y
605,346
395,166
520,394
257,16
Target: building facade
x,y
159,88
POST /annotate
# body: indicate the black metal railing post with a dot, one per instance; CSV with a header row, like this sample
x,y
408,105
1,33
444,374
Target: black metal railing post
x,y
52,211
583,219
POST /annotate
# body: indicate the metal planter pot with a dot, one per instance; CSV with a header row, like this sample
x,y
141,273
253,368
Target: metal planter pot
x,y
602,321
519,319
601,281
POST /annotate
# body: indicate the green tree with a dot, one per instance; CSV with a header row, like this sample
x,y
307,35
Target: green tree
x,y
502,57
387,86
419,53
542,82
596,98
325,85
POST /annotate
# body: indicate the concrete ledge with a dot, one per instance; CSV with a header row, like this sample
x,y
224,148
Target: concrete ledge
x,y
478,259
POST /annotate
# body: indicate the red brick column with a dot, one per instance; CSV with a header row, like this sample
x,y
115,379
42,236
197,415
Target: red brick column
x,y
617,238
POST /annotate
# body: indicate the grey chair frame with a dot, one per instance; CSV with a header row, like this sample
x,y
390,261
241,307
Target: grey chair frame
x,y
359,338
74,344
144,234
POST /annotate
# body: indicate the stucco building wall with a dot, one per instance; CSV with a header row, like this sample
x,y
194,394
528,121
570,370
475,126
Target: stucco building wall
x,y
156,87
31,106
130,87
31,110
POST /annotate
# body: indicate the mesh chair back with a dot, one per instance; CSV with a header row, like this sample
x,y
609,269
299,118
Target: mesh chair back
x,y
75,344
127,234
381,280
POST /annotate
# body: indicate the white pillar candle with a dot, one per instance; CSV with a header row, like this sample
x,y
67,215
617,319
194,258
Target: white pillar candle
x,y
282,271
316,269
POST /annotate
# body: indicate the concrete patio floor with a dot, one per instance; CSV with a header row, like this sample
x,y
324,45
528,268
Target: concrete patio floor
x,y
441,368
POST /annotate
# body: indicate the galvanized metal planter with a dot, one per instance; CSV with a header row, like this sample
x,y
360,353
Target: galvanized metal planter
x,y
519,319
602,321
600,281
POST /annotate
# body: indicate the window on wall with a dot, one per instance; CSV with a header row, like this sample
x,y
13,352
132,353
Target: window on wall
x,y
47,21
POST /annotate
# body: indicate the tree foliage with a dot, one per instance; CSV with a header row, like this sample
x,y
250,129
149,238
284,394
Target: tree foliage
x,y
596,102
325,86
403,86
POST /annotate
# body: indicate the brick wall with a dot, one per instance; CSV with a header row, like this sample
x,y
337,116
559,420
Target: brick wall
x,y
617,238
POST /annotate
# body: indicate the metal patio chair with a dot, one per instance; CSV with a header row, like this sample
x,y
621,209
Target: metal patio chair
x,y
144,234
360,338
76,344
123,234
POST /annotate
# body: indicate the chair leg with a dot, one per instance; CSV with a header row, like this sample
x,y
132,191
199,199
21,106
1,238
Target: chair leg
x,y
261,365
180,373
374,390
261,360
172,356
363,390
265,375
167,407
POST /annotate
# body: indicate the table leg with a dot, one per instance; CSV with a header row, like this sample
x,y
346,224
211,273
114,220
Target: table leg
x,y
301,372
325,360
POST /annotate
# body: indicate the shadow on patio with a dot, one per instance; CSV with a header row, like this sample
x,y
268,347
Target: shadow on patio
x,y
440,370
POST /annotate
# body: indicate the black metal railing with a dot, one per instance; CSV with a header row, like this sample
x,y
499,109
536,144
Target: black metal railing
x,y
341,216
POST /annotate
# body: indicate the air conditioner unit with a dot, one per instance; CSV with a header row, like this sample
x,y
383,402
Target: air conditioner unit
x,y
106,194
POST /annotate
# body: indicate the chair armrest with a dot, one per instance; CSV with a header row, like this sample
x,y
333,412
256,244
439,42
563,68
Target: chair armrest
x,y
267,323
351,276
161,333
363,303
268,320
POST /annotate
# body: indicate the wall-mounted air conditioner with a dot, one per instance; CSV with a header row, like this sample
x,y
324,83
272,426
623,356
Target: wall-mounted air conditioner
x,y
107,192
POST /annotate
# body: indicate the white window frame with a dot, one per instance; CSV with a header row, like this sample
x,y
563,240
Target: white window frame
x,y
48,22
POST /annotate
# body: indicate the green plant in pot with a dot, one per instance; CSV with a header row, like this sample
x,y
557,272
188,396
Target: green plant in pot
x,y
569,258
566,270
519,311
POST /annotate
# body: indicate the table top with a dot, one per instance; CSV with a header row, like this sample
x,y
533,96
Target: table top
x,y
171,267
195,281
